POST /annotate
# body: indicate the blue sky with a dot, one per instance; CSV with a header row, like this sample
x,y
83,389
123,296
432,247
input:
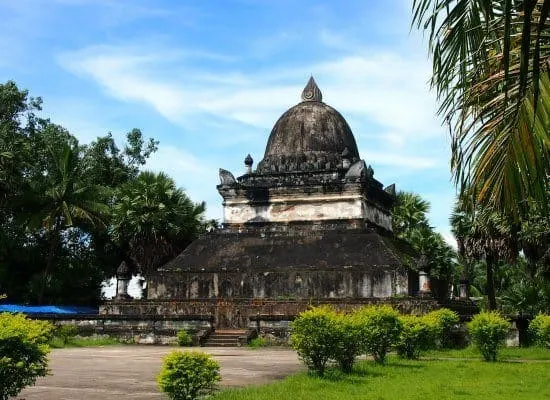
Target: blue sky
x,y
210,78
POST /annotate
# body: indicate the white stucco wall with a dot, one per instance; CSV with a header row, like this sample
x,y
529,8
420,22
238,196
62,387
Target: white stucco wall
x,y
311,208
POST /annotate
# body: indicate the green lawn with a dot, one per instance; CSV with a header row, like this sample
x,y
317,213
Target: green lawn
x,y
411,380
508,353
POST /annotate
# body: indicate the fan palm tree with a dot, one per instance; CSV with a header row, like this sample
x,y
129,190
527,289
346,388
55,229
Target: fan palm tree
x,y
409,212
483,234
62,199
491,74
154,219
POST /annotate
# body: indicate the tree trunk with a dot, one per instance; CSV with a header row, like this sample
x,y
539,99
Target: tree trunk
x,y
49,263
492,302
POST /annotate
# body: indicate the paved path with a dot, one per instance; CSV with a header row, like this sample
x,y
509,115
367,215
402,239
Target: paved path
x,y
128,372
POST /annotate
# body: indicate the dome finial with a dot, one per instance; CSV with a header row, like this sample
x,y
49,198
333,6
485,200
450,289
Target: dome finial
x,y
312,92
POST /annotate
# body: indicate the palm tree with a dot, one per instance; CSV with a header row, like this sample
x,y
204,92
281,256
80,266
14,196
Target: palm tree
x,y
491,62
62,198
409,212
154,219
410,223
483,234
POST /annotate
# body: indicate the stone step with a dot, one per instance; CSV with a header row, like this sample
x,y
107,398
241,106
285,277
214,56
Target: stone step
x,y
222,341
229,332
232,344
224,338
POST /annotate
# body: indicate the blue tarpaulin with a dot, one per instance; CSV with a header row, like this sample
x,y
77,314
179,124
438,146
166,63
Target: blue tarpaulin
x,y
14,308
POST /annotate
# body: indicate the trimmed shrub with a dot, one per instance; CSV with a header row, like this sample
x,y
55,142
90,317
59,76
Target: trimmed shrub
x,y
313,336
380,330
66,333
23,352
417,335
187,375
184,338
443,321
539,329
488,331
347,341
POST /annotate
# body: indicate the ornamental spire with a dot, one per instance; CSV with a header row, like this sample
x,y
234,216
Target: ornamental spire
x,y
311,91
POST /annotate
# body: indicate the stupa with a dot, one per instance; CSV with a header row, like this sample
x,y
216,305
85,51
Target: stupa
x,y
310,222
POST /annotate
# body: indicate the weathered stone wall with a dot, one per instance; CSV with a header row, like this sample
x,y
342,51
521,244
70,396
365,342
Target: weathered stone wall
x,y
237,313
285,283
141,329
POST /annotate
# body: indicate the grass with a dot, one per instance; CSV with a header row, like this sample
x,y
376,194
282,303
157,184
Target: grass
x,y
410,380
507,353
57,343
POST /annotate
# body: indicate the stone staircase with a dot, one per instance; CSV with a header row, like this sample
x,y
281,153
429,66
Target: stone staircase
x,y
224,338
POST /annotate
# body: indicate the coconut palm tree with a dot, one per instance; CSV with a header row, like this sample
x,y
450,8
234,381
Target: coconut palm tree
x,y
491,74
62,199
154,220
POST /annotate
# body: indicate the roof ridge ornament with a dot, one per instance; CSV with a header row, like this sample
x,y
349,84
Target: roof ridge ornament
x,y
312,92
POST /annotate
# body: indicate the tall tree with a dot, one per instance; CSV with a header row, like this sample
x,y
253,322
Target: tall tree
x,y
62,199
410,223
491,74
155,219
409,212
483,234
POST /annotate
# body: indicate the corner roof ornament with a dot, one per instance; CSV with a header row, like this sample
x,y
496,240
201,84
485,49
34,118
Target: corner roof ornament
x,y
312,92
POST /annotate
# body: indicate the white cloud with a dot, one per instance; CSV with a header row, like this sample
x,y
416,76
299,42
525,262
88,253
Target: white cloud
x,y
387,88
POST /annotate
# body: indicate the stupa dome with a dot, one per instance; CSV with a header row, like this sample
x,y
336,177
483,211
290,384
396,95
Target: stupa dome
x,y
309,132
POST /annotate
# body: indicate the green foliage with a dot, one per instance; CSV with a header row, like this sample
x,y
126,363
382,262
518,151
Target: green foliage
x,y
258,342
89,341
313,337
188,375
155,219
23,352
381,329
488,331
539,328
443,320
54,247
418,335
410,223
490,74
184,338
58,239
348,340
66,333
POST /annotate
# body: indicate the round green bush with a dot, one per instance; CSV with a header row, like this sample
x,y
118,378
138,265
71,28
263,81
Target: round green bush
x,y
184,338
23,352
187,375
488,331
380,330
417,335
539,328
347,341
313,336
443,321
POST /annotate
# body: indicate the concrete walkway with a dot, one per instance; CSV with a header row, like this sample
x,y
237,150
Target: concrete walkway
x,y
129,372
